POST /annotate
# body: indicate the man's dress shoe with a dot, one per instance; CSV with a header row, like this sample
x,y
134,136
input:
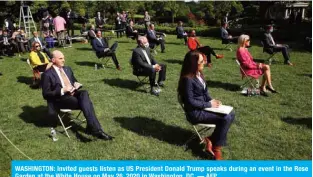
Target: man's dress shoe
x,y
102,135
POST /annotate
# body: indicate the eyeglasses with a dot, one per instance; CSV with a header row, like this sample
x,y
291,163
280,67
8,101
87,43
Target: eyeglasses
x,y
37,46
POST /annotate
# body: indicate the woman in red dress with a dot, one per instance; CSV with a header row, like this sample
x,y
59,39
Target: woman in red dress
x,y
252,68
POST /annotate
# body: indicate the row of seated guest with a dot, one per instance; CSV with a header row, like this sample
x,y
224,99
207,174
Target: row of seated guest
x,y
61,90
194,44
271,46
253,69
193,93
145,64
102,49
38,59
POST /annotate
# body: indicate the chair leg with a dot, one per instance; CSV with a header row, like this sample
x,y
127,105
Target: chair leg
x,y
187,142
65,129
143,81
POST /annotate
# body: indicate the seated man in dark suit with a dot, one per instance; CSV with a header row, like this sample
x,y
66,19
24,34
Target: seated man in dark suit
x,y
154,39
6,44
42,43
180,31
130,32
144,64
102,49
270,45
226,37
60,89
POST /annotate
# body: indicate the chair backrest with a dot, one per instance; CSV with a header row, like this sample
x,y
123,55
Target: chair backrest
x,y
266,49
243,73
28,62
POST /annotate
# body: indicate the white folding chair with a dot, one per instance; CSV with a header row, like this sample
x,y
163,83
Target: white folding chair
x,y
36,74
201,129
249,79
65,113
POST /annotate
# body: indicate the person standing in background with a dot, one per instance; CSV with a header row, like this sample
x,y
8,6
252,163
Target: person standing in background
x,y
59,26
70,22
147,19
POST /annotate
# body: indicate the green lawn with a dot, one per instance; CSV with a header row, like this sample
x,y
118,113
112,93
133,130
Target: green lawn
x,y
149,127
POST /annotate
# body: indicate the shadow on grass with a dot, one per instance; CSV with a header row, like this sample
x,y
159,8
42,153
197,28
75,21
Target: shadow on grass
x,y
299,121
177,43
92,64
225,86
39,117
86,63
85,48
306,75
28,81
148,127
126,84
23,59
175,61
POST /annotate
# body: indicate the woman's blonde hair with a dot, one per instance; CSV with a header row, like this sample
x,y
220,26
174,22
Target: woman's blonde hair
x,y
242,39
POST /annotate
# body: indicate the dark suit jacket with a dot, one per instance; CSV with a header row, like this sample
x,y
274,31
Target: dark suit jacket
x,y
195,97
98,47
267,40
139,60
99,22
152,37
129,31
31,40
51,86
180,32
70,20
267,43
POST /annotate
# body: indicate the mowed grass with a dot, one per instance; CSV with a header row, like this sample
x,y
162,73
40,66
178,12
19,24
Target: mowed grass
x,y
149,127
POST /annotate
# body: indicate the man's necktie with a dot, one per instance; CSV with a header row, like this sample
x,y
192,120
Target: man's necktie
x,y
66,81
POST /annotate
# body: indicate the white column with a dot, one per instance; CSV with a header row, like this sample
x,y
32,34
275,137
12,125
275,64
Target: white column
x,y
286,13
303,9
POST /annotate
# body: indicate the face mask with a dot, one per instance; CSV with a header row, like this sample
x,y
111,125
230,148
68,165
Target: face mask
x,y
271,30
146,45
